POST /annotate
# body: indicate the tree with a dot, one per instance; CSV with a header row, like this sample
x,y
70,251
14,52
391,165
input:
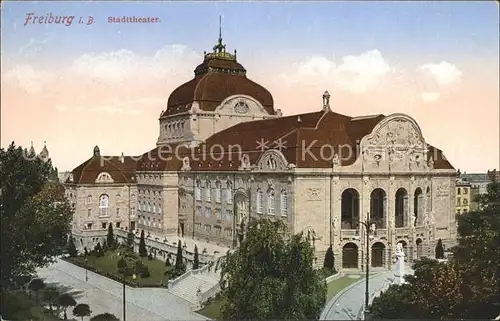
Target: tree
x,y
130,240
98,250
72,247
36,285
82,310
271,276
439,250
110,239
143,252
50,295
104,317
465,287
329,262
180,268
85,252
66,300
196,259
35,216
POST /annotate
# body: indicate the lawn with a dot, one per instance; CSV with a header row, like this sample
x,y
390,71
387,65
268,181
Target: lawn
x,y
212,310
17,306
107,264
337,285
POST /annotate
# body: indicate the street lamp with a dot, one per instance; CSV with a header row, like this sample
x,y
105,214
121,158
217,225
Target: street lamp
x,y
125,270
86,270
369,227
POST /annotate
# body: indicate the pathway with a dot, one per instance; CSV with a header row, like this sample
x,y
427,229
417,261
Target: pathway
x,y
105,295
349,303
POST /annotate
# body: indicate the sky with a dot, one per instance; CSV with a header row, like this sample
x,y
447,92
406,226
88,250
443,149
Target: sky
x,y
80,85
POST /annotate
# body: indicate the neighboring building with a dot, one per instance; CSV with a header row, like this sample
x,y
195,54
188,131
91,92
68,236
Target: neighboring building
x,y
463,191
63,176
103,191
225,157
478,186
494,175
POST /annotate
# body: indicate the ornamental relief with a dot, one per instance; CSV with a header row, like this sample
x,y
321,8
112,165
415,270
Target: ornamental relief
x,y
272,160
443,189
397,144
314,194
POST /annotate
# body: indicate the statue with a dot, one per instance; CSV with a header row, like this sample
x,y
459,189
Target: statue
x,y
400,263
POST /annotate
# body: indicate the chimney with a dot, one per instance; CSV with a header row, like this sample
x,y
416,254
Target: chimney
x,y
122,158
299,120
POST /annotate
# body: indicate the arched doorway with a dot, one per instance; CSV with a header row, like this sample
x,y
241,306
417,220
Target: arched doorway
x,y
350,256
418,207
378,254
419,248
401,208
349,209
377,207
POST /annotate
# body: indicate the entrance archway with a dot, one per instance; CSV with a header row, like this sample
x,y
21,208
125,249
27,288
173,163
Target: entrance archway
x,y
349,209
378,254
377,207
419,248
350,256
401,208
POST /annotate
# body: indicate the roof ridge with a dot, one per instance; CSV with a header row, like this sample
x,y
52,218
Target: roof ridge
x,y
119,169
88,161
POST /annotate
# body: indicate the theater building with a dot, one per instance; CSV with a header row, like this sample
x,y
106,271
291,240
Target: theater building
x,y
225,157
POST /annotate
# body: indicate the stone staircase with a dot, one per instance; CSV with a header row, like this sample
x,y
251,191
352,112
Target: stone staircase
x,y
188,287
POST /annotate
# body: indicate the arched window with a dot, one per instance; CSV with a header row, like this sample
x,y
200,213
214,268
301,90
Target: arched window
x,y
208,196
149,207
154,208
103,205
259,201
89,199
197,191
218,196
229,192
270,201
284,203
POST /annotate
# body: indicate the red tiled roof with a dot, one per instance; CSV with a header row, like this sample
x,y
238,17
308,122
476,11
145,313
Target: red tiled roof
x,y
121,172
215,80
315,129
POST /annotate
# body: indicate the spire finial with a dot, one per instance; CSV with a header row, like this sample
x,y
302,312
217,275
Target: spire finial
x,y
45,142
31,143
220,29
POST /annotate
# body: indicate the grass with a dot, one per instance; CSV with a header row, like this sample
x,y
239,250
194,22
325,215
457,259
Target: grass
x,y
107,264
212,309
337,285
18,306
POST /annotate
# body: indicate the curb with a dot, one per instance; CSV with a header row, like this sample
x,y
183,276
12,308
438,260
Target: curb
x,y
330,304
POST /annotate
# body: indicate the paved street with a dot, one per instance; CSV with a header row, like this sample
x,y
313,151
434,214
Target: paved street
x,y
105,295
348,305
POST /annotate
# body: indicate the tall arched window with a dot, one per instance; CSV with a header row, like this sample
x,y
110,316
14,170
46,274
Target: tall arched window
x,y
259,201
270,201
197,191
208,196
154,208
103,205
89,199
218,193
229,192
284,203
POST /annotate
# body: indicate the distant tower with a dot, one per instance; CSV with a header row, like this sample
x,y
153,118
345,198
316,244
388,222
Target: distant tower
x,y
44,154
97,152
32,149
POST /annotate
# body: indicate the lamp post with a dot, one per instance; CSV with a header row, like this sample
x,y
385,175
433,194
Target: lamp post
x,y
86,270
124,270
369,226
